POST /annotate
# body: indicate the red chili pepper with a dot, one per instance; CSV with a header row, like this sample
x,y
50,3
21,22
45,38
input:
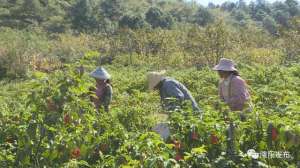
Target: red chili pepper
x,y
75,153
194,136
274,134
10,139
214,139
67,119
177,144
103,147
51,105
178,157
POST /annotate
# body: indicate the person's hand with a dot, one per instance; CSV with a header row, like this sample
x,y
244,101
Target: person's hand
x,y
199,113
92,89
92,93
201,116
93,98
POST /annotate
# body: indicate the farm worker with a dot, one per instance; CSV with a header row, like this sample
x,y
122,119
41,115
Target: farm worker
x,y
103,89
232,88
170,88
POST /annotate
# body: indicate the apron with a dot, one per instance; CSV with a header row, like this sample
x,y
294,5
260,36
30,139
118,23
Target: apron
x,y
247,107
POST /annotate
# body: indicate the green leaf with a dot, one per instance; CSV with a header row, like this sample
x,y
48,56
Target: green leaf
x,y
200,150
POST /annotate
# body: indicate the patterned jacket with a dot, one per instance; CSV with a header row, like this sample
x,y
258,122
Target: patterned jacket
x,y
171,88
233,91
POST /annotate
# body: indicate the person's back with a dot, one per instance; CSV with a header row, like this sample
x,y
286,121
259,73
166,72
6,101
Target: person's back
x,y
235,94
173,88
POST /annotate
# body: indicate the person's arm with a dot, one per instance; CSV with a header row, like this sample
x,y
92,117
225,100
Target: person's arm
x,y
221,92
172,90
186,92
94,98
162,97
107,98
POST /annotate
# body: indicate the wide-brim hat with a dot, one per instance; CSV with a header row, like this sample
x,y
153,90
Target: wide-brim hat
x,y
225,65
100,73
154,78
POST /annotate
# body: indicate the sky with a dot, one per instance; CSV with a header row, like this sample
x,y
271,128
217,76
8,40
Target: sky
x,y
205,2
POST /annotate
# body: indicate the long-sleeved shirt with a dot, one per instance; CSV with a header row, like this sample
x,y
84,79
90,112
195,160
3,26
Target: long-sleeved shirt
x,y
104,94
172,88
233,91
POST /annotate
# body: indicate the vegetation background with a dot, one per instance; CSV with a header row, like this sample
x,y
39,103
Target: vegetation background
x,y
42,34
48,47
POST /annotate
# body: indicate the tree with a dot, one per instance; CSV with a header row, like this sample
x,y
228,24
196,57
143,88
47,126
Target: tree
x,y
262,5
280,6
167,21
270,25
203,17
133,22
291,45
228,6
259,10
260,15
184,13
111,9
293,7
252,9
211,5
82,15
32,7
30,12
210,44
241,4
56,24
282,17
156,18
241,17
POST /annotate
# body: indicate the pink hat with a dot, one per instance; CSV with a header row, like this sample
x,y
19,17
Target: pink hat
x,y
225,65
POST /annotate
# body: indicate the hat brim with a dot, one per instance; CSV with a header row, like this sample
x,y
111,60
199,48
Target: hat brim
x,y
220,68
96,76
153,80
152,83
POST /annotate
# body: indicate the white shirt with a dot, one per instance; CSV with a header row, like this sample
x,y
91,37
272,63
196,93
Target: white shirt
x,y
226,83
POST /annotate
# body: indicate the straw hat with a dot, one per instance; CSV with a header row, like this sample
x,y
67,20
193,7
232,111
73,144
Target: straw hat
x,y
100,73
154,78
225,65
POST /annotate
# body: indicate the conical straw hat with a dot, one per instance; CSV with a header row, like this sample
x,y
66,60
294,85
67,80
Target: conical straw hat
x,y
154,78
100,73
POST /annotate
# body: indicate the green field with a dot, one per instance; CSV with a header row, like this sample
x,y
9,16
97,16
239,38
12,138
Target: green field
x,y
32,134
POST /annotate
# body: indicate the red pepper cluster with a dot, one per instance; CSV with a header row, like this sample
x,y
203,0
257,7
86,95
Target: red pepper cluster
x,y
51,106
75,153
67,119
274,134
214,139
177,146
194,136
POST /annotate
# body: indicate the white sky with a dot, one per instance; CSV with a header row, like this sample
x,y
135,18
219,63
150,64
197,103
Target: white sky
x,y
205,2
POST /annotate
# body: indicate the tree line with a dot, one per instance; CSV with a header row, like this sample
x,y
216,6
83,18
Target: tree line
x,y
40,34
109,15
